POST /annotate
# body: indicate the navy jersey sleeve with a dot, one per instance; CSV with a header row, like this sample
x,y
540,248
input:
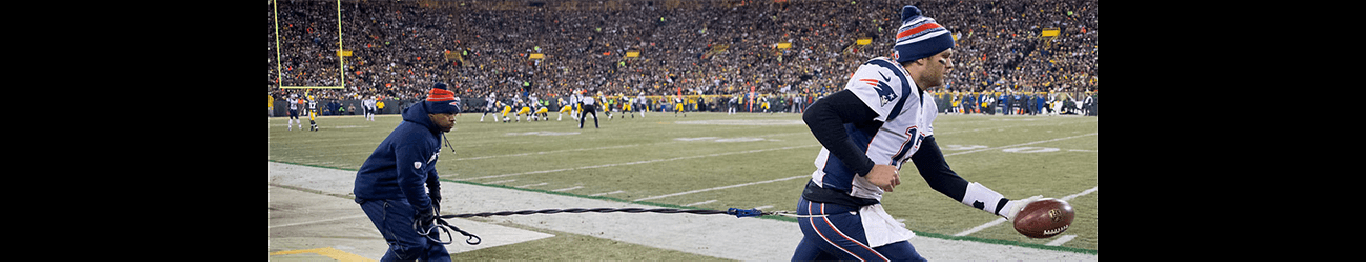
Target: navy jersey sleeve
x,y
930,162
827,117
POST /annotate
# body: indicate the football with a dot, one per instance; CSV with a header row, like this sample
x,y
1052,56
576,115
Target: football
x,y
1044,218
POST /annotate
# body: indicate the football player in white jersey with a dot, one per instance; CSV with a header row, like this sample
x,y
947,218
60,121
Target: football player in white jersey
x,y
519,107
642,104
734,100
369,105
293,102
490,103
531,106
575,100
882,119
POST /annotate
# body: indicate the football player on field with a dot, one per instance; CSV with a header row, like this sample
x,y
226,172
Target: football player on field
x,y
605,104
312,112
678,106
626,103
490,104
883,118
506,109
644,104
523,108
565,107
293,102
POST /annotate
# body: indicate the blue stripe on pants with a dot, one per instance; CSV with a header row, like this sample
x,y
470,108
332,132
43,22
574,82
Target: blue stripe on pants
x,y
840,235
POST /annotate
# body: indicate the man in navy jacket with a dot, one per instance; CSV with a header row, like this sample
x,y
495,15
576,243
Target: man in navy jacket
x,y
397,185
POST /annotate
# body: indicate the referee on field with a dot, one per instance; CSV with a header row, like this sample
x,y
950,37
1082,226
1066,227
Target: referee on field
x,y
588,107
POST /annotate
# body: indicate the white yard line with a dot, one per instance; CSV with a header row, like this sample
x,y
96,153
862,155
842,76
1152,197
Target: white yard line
x,y
591,149
637,162
567,189
1020,145
701,203
1061,240
1083,193
608,193
722,187
795,177
974,229
315,221
550,152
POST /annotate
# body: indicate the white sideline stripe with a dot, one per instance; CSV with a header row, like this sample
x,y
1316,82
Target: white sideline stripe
x,y
1002,220
532,185
315,222
1061,240
638,162
701,203
500,181
1019,145
722,187
549,152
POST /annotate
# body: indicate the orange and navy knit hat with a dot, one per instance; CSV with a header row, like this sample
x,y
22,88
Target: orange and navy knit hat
x,y
440,100
920,36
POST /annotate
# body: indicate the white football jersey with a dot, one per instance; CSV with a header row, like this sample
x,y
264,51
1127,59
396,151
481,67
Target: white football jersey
x,y
903,110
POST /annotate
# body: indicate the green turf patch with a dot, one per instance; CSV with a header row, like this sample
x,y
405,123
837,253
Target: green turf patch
x,y
645,158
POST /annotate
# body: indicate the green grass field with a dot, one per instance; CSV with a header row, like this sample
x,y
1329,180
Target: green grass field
x,y
720,161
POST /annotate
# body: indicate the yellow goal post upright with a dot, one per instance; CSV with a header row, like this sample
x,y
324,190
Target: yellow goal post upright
x,y
341,53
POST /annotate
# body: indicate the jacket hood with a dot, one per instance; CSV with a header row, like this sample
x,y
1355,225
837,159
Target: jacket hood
x,y
417,113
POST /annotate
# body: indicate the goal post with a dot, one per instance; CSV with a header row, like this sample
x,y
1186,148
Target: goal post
x,y
341,54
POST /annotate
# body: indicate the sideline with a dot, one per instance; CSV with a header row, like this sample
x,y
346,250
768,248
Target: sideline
x,y
712,235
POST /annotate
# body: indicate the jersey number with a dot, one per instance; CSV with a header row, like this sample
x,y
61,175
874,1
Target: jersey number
x,y
913,140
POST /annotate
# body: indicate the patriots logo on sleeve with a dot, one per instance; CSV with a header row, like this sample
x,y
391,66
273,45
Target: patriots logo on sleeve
x,y
884,92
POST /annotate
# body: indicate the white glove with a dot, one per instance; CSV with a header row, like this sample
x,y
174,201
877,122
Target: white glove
x,y
1013,207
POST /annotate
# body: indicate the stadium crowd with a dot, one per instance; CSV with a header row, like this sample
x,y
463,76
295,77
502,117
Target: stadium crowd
x,y
399,49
